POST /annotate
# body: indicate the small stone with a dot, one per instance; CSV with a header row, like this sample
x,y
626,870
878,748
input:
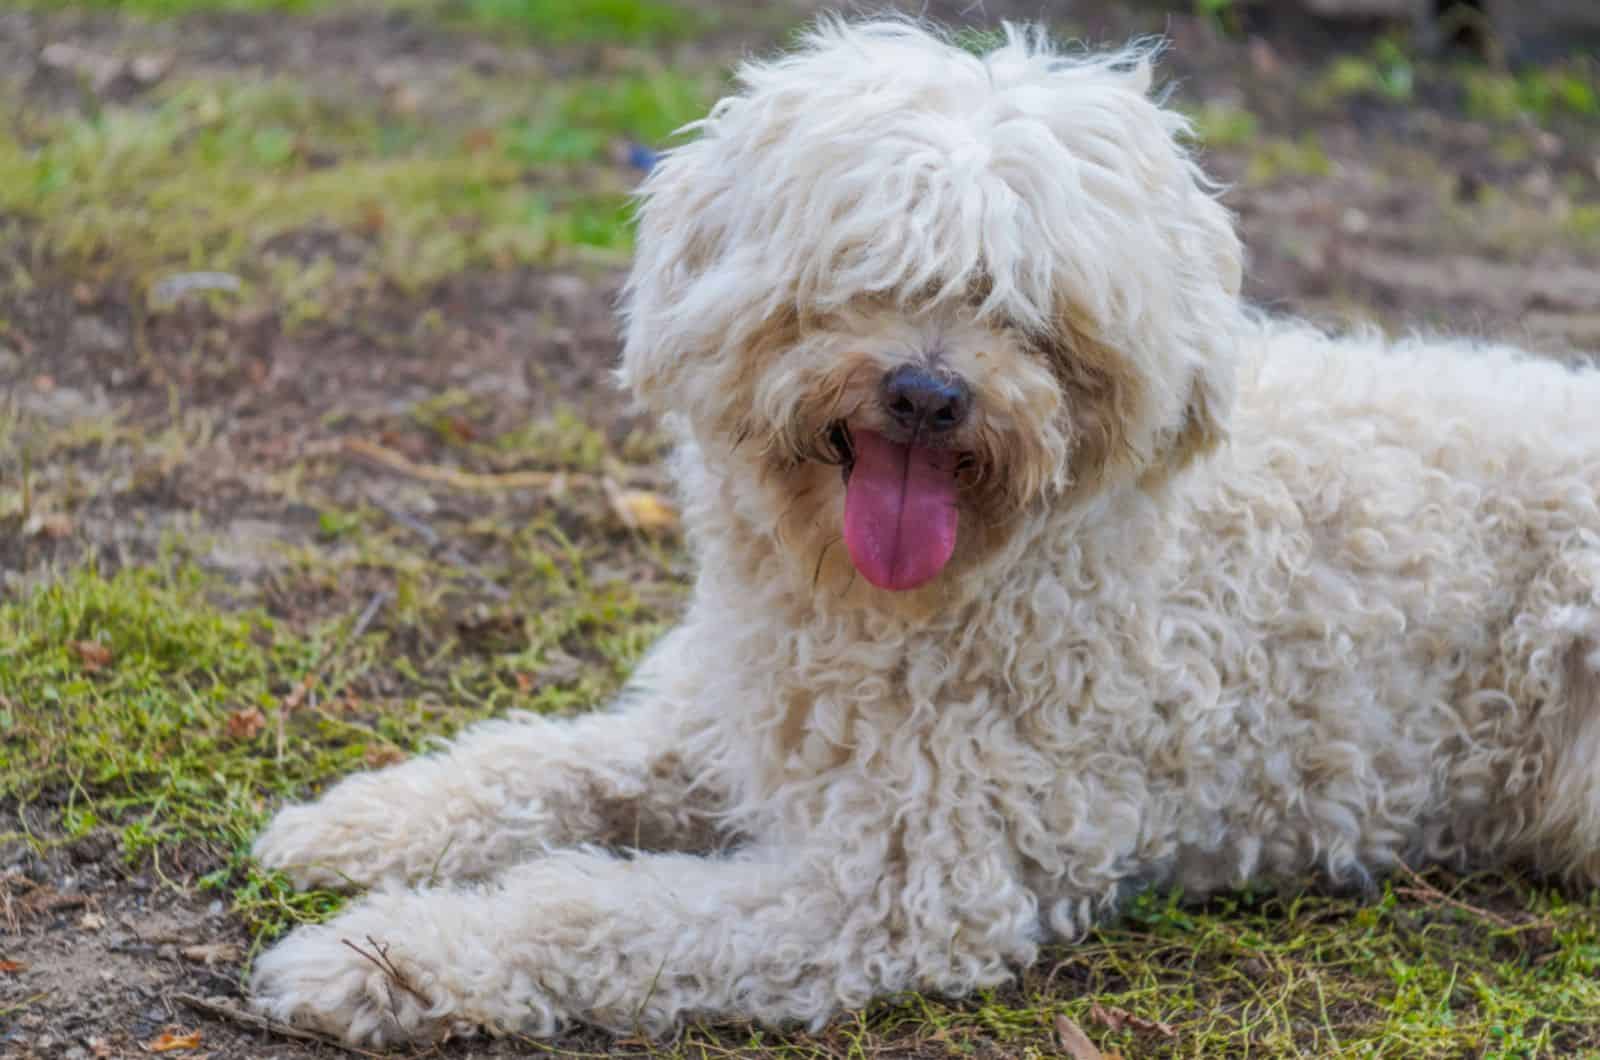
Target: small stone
x,y
93,335
148,69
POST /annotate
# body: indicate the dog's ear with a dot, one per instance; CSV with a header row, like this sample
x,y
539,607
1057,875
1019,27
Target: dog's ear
x,y
1144,336
1205,418
1210,265
1204,262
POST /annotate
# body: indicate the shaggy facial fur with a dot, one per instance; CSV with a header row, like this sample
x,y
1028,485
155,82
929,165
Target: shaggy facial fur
x,y
1032,569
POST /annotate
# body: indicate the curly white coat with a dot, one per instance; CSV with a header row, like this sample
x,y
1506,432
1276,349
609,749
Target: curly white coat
x,y
1232,600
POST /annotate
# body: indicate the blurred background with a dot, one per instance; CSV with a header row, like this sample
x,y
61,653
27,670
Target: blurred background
x,y
309,453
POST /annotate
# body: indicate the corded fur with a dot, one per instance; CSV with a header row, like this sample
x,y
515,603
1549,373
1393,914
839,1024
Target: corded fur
x,y
1232,600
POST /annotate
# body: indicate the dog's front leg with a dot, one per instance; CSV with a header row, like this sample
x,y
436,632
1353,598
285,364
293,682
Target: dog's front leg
x,y
636,944
510,787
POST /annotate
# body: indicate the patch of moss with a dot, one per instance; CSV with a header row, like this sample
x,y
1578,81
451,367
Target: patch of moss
x,y
1538,92
1220,124
1275,159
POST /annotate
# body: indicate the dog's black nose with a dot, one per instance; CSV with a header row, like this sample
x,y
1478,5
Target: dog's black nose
x,y
924,403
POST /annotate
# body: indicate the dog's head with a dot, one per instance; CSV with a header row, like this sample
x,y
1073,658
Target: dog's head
x,y
916,294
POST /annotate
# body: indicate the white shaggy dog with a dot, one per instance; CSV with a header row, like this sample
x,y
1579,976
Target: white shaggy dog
x,y
1032,569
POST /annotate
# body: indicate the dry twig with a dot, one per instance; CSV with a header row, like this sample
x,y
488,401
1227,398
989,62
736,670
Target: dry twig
x,y
1428,893
256,1021
396,977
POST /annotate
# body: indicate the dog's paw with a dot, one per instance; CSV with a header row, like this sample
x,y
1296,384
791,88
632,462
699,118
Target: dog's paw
x,y
347,979
315,847
362,833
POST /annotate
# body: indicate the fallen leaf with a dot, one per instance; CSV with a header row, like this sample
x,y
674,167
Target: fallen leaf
x,y
167,1042
405,99
1116,1018
372,219
642,510
245,723
1074,1041
209,953
94,655
383,754
91,922
524,682
459,429
12,966
53,525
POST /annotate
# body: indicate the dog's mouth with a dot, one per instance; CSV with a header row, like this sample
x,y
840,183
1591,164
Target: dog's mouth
x,y
900,506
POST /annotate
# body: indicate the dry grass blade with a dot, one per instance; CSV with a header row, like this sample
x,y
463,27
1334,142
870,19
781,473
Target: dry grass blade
x,y
466,480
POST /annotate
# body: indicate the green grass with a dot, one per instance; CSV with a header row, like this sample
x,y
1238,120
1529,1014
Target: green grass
x,y
160,9
1388,72
1539,93
577,123
574,21
142,704
1219,124
1274,159
116,694
1391,73
120,700
550,22
211,173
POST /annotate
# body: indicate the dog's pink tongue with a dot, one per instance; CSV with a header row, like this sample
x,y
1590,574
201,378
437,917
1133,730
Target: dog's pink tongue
x,y
899,511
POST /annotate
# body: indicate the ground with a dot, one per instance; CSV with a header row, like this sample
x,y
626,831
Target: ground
x,y
309,455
